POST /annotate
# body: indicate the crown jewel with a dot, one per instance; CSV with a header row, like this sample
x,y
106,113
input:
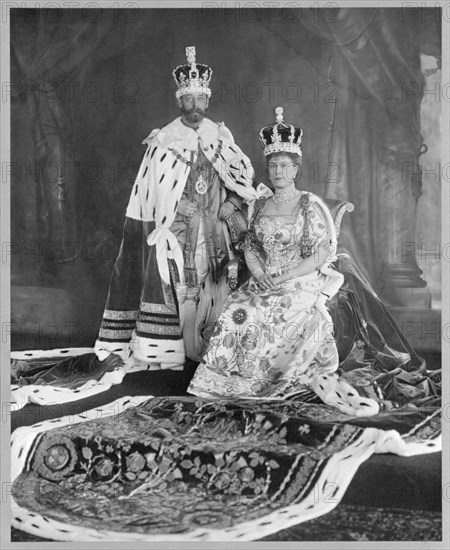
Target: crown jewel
x,y
281,137
192,77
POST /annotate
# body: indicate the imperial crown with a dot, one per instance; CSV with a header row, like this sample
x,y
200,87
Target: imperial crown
x,y
281,137
192,77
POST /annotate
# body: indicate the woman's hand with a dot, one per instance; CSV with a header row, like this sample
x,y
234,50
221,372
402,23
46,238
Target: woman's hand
x,y
279,279
309,265
187,208
264,281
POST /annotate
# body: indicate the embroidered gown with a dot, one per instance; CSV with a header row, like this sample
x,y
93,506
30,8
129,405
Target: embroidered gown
x,y
272,343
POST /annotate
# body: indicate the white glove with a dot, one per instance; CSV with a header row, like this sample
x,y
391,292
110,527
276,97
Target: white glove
x,y
319,304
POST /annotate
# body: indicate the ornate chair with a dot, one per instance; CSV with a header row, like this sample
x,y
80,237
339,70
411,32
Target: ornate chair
x,y
338,208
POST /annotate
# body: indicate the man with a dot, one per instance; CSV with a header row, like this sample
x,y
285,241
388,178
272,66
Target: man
x,y
170,278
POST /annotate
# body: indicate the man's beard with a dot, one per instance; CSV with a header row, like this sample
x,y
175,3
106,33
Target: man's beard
x,y
194,115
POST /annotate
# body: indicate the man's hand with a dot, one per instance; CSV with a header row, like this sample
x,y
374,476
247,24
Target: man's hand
x,y
187,208
226,210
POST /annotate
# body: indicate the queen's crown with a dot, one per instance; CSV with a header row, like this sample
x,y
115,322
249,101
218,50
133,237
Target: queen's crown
x,y
281,137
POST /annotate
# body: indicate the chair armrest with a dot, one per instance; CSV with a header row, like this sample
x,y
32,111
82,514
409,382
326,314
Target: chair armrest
x,y
338,209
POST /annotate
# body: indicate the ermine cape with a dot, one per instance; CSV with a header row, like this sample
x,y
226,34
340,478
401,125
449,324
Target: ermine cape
x,y
141,316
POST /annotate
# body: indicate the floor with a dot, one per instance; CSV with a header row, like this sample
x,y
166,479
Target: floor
x,y
390,497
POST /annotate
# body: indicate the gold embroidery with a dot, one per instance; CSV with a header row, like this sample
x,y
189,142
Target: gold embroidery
x,y
112,314
150,328
115,334
158,308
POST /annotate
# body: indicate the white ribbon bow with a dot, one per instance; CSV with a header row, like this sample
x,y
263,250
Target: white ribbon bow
x,y
263,192
167,247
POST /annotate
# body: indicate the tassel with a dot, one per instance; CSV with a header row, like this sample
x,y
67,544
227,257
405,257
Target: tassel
x,y
190,271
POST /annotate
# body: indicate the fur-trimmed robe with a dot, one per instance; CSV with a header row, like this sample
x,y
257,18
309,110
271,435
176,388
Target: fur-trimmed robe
x,y
141,320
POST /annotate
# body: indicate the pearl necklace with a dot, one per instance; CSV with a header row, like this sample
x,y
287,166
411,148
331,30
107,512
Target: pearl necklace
x,y
283,196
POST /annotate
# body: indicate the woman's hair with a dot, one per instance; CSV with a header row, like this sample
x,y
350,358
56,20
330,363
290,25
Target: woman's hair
x,y
296,159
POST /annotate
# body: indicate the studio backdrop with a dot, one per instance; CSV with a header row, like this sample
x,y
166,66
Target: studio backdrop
x,y
88,86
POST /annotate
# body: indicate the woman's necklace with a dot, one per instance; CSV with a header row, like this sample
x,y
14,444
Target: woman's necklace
x,y
283,196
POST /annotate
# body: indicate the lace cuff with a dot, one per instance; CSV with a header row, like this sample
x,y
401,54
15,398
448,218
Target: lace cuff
x,y
250,242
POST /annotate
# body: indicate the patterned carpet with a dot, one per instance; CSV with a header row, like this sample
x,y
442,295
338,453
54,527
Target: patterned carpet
x,y
346,523
361,523
181,468
371,519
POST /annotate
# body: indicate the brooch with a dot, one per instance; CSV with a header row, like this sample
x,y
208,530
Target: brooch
x,y
201,186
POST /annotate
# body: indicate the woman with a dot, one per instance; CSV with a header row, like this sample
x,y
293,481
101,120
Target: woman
x,y
274,336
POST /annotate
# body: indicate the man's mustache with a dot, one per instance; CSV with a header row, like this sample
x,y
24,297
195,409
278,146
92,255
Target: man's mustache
x,y
194,110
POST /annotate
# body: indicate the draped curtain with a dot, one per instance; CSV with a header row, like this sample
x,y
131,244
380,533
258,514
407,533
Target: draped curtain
x,y
370,55
52,52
